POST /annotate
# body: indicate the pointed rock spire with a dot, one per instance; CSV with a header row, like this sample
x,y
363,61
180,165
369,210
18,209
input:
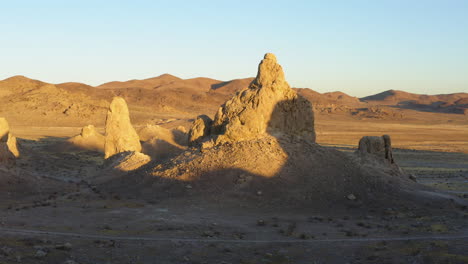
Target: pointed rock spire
x,y
268,105
120,134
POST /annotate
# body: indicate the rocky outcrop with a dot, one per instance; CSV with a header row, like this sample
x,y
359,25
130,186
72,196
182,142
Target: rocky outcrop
x,y
200,129
89,138
378,146
120,134
268,105
8,145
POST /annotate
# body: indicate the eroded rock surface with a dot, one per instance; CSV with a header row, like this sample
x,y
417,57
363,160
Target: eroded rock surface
x,y
201,128
377,146
128,161
8,145
268,105
120,134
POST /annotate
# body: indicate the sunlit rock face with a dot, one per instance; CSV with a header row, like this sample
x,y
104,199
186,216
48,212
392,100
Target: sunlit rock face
x,y
268,105
8,145
120,134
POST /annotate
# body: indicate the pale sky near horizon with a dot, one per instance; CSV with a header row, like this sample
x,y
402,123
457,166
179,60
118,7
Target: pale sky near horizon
x,y
358,47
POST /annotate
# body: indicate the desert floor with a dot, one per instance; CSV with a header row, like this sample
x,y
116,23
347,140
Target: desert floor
x,y
71,220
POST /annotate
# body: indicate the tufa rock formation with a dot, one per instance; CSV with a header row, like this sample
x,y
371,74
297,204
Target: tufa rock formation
x,y
377,146
127,161
89,138
8,145
120,134
161,143
249,161
201,128
267,105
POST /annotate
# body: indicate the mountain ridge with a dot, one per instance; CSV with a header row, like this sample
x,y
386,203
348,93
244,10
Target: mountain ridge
x,y
201,94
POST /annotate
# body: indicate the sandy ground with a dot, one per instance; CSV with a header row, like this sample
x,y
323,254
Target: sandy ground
x,y
434,137
73,221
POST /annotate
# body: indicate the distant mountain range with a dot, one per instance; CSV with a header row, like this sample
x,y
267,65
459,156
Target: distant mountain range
x,y
446,103
171,94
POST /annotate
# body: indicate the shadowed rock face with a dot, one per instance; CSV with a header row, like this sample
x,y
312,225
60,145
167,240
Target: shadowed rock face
x,y
378,146
8,146
201,128
120,134
267,105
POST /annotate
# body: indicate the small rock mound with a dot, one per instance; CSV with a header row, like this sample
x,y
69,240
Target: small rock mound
x,y
380,147
161,143
267,105
88,131
120,134
8,145
200,129
127,161
89,138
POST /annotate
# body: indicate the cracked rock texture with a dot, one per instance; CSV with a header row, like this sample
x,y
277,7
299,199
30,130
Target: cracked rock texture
x,y
120,134
268,105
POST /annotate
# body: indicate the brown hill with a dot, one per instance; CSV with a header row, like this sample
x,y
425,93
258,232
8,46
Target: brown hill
x,y
18,84
338,98
167,95
181,96
76,87
395,96
446,103
200,84
34,102
232,87
146,83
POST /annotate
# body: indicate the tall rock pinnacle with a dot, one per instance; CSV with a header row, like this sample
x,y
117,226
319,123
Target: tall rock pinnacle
x,y
268,105
120,134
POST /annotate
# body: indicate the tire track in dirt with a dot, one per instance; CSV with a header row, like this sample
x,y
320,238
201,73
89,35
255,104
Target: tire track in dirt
x,y
463,236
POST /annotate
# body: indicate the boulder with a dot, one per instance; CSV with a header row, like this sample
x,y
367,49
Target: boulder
x,y
127,161
378,146
268,105
8,145
120,134
89,138
201,128
160,142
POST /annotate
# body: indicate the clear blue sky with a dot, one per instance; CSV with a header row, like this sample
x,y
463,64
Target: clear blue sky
x,y
358,47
